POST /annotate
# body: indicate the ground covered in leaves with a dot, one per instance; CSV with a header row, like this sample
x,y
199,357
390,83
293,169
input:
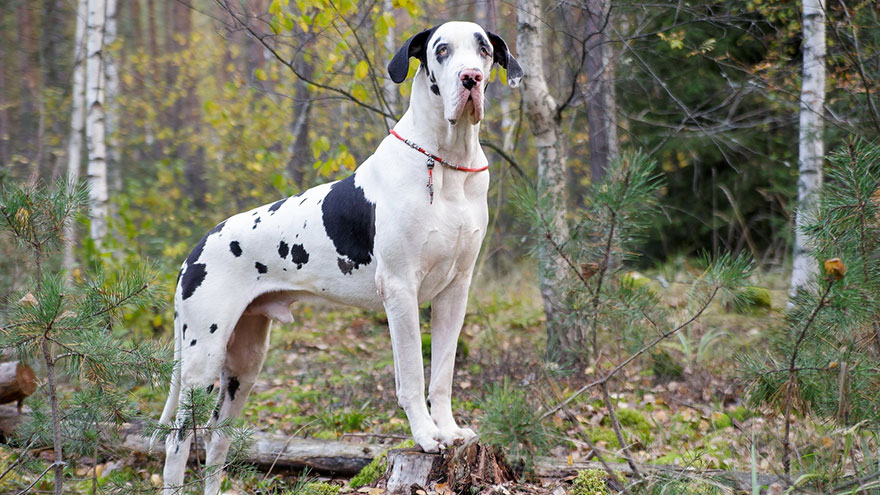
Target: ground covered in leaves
x,y
330,376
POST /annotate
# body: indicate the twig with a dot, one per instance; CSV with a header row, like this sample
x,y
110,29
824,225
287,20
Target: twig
x,y
792,370
509,159
616,426
635,355
223,4
60,464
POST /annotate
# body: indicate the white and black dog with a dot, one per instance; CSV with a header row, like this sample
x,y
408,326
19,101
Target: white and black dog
x,y
405,228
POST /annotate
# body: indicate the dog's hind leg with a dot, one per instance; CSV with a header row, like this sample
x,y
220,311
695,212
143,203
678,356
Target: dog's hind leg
x,y
202,353
245,354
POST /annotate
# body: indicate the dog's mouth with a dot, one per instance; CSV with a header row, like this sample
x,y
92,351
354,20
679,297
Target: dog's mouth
x,y
469,102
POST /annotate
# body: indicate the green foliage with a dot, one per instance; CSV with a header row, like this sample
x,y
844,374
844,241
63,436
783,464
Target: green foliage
x,y
74,329
512,424
664,367
824,360
590,482
752,299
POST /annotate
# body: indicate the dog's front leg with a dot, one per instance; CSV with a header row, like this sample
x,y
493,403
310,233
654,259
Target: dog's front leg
x,y
402,309
447,315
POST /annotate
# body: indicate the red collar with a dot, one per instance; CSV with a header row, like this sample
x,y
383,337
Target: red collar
x,y
431,159
435,157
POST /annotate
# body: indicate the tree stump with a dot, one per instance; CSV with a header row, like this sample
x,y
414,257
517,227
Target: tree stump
x,y
17,381
463,468
408,467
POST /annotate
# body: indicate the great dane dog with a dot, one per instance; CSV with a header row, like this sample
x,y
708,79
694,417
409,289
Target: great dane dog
x,y
405,228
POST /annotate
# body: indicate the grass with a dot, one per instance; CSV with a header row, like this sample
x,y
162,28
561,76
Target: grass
x,y
330,374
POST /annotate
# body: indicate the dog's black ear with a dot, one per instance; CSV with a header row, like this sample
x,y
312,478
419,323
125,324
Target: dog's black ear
x,y
417,47
503,58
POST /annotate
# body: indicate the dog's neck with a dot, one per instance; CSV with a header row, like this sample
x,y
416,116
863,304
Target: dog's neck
x,y
424,124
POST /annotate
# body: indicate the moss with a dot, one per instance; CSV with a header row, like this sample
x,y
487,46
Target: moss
x,y
319,488
370,473
634,421
604,435
590,482
721,420
741,414
376,468
752,299
635,281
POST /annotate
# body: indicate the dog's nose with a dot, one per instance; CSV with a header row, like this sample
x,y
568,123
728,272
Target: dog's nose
x,y
470,78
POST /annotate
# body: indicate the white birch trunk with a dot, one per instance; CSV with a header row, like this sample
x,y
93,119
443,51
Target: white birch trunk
x,y
97,164
811,149
111,117
540,109
77,119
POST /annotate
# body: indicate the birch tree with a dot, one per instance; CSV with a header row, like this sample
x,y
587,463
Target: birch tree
x,y
811,148
96,171
77,118
111,71
542,112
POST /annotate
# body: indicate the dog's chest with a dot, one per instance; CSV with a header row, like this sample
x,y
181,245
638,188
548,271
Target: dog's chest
x,y
451,243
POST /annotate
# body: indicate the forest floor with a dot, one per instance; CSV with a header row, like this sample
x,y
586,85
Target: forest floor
x,y
330,376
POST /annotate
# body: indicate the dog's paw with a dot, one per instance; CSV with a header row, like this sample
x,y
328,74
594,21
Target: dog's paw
x,y
465,433
430,440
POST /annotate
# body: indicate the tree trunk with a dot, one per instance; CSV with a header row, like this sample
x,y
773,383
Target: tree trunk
x,y
112,117
299,151
811,149
77,119
17,381
600,104
541,111
97,165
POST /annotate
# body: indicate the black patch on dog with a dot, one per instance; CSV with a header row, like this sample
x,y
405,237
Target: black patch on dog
x,y
183,333
192,343
442,57
192,279
276,205
350,222
235,247
435,89
305,222
213,327
256,222
179,273
233,387
283,249
261,268
303,201
299,255
210,388
195,272
346,266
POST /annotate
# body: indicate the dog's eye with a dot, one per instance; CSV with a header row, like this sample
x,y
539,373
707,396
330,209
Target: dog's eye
x,y
483,51
443,50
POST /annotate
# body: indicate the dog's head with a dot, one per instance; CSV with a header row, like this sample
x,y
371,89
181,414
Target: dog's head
x,y
456,59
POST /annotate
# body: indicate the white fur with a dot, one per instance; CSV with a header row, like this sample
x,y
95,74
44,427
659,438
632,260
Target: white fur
x,y
422,252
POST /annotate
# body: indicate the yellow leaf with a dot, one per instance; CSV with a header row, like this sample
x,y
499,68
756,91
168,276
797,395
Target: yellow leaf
x,y
361,69
260,74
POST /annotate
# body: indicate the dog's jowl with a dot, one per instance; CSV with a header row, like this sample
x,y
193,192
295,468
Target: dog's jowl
x,y
405,228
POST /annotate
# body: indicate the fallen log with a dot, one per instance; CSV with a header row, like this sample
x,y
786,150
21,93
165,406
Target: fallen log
x,y
281,451
17,381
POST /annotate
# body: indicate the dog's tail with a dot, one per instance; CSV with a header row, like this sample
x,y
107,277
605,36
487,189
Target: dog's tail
x,y
174,393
